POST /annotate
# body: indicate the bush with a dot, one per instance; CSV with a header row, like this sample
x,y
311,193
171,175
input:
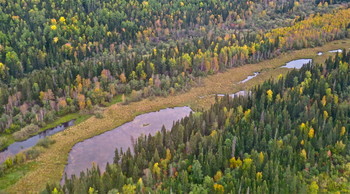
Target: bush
x,y
3,141
99,115
45,142
32,154
8,162
98,112
135,96
20,158
12,128
25,132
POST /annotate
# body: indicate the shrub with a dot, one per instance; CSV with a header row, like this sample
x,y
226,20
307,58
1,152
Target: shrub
x,y
32,154
25,132
8,162
98,112
45,142
20,158
3,141
12,128
99,115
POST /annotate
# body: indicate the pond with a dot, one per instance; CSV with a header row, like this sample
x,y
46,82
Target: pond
x,y
297,64
100,149
19,146
250,77
320,53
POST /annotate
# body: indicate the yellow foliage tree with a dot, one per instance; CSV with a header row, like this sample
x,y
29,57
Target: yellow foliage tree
x,y
219,188
53,27
261,157
324,101
218,176
81,101
259,176
156,169
325,115
303,154
62,19
150,82
311,133
269,94
247,115
342,131
235,163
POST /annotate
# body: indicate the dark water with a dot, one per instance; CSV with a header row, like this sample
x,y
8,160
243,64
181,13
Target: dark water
x,y
297,64
100,149
250,77
17,147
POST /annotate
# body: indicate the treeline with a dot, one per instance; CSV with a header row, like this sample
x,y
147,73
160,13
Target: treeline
x,y
81,69
39,34
290,135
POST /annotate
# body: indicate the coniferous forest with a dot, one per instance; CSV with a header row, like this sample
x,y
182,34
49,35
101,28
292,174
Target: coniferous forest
x,y
288,136
65,60
60,57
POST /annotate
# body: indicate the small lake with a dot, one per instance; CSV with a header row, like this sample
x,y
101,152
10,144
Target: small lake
x,y
249,77
100,149
297,64
19,146
336,51
320,53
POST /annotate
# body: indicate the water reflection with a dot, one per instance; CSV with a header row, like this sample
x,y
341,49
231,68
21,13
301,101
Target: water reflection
x,y
100,149
297,64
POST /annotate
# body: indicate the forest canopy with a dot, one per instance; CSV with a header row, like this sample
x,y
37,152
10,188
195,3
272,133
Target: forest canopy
x,y
60,57
289,135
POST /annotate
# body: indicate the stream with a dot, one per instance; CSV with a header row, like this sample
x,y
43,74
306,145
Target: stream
x,y
19,146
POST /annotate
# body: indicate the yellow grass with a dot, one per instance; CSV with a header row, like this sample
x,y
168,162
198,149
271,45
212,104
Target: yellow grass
x,y
52,161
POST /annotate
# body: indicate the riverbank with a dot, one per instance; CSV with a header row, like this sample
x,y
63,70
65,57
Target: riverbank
x,y
51,163
60,120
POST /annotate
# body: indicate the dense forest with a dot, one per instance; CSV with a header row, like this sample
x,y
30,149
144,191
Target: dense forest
x,y
59,57
290,135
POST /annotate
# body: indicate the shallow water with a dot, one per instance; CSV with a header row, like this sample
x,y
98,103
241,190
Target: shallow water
x,y
240,93
336,51
17,147
250,77
297,64
237,94
320,53
100,149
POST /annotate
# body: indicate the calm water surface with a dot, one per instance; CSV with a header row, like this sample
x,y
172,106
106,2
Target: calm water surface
x,y
17,147
297,64
100,149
